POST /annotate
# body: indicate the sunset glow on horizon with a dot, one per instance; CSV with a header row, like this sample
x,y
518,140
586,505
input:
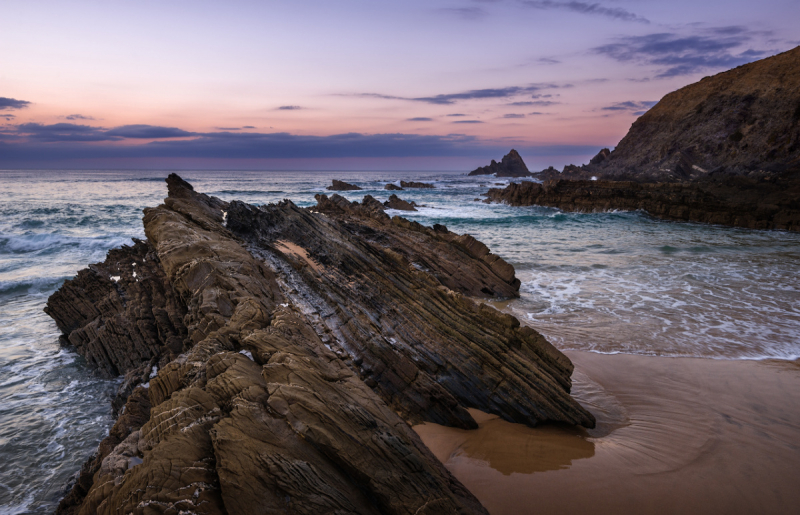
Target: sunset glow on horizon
x,y
354,84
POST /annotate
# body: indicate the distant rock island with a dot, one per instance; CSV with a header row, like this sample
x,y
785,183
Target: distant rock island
x,y
724,150
342,186
511,165
275,357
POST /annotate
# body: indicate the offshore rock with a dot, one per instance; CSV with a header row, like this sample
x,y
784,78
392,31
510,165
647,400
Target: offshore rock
x,y
413,184
392,187
511,165
735,201
396,202
342,186
310,339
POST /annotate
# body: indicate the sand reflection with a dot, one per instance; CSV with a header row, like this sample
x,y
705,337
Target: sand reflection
x,y
506,447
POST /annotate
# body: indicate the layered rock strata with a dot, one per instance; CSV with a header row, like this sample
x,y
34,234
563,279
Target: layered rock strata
x,y
396,202
737,201
304,342
511,165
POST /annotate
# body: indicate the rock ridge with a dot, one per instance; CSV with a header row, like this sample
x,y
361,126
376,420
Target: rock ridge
x,y
300,345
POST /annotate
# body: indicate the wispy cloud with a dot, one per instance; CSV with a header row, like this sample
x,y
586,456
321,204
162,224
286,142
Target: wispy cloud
x,y
677,55
289,108
467,121
587,8
78,117
467,13
63,132
148,132
637,108
474,94
456,114
513,115
12,103
420,119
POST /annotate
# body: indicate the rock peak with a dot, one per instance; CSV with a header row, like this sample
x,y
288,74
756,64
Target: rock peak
x,y
511,165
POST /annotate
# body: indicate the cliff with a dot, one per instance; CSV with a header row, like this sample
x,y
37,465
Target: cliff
x,y
511,165
745,121
274,358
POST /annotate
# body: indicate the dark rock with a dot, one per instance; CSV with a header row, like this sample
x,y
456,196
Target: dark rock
x,y
392,187
413,184
737,201
342,186
306,335
511,165
734,123
396,202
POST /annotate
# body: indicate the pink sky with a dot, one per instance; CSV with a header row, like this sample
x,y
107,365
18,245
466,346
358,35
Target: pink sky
x,y
556,80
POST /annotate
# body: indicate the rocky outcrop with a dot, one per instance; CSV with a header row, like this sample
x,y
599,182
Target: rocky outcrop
x,y
392,187
736,201
741,121
511,165
342,186
309,340
413,184
396,202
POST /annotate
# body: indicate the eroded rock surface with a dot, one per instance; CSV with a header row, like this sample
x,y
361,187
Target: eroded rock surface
x,y
396,202
309,340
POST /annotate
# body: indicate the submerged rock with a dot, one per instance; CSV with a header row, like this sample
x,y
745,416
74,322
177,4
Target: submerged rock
x,y
511,165
308,340
342,186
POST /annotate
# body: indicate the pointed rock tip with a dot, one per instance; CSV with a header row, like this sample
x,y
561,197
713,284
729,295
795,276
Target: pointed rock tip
x,y
176,185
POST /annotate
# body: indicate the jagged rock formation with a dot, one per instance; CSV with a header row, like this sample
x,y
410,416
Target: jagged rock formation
x,y
736,201
396,202
511,165
305,335
342,186
392,187
414,184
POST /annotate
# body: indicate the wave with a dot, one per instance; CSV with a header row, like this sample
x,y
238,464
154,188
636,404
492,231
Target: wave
x,y
47,243
31,285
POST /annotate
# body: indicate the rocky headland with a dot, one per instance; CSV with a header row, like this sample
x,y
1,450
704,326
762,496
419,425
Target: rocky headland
x,y
511,165
723,150
274,357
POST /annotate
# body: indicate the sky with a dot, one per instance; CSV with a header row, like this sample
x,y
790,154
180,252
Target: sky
x,y
352,84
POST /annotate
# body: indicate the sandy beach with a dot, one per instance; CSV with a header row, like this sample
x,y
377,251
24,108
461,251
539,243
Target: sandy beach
x,y
674,435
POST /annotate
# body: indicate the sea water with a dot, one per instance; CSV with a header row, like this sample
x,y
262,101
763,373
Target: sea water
x,y
619,282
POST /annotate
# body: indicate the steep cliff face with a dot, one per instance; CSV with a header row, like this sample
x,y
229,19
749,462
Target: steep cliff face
x,y
739,122
309,339
511,165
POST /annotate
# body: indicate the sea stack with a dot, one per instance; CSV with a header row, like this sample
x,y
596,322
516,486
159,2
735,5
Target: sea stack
x,y
342,186
511,165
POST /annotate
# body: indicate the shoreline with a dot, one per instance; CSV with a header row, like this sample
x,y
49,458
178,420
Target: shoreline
x,y
674,435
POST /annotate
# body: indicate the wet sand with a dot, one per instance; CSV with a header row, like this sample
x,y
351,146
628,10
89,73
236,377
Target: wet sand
x,y
674,435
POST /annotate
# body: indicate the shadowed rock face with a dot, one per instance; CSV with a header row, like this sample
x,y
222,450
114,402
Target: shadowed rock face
x,y
415,184
396,202
511,165
736,201
342,186
305,336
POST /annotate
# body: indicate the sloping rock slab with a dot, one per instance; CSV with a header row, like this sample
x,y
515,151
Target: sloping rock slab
x,y
311,337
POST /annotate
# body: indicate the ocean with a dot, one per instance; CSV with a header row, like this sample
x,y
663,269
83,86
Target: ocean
x,y
611,283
